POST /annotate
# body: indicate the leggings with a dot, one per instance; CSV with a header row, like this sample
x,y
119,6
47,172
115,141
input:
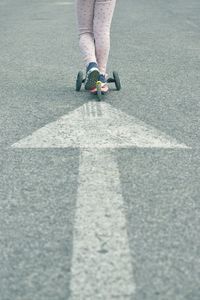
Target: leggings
x,y
94,19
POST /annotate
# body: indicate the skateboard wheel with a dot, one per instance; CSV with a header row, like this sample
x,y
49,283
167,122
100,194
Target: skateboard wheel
x,y
79,81
117,80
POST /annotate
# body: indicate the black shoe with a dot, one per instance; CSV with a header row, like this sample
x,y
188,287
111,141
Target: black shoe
x,y
92,75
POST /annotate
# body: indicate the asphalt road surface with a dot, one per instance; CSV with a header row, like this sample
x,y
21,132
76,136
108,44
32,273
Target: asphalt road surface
x,y
100,200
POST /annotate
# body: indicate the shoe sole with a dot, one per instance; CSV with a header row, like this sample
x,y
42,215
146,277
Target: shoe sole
x,y
94,92
105,89
92,78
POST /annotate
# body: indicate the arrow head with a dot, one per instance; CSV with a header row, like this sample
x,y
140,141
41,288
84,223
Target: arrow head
x,y
97,125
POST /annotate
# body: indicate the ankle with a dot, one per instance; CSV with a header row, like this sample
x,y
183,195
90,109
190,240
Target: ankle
x,y
91,64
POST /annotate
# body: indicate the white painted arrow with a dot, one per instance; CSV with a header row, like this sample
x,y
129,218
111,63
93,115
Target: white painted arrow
x,y
101,263
97,125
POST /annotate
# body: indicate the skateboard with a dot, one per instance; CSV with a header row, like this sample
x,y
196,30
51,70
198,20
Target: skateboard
x,y
80,80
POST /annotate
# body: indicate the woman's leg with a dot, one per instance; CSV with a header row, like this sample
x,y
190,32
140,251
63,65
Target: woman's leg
x,y
85,16
103,13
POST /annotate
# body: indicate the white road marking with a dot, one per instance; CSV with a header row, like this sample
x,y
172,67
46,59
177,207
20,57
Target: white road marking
x,y
193,24
98,125
63,3
101,264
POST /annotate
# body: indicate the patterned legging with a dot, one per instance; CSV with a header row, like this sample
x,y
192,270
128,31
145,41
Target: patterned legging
x,y
94,19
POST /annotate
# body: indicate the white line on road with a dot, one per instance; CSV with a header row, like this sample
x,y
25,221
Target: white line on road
x,y
193,24
101,264
98,125
63,3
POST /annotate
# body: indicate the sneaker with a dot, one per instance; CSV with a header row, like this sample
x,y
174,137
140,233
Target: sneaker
x,y
104,86
92,75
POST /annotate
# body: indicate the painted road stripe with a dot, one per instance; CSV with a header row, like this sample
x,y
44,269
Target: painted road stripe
x,y
63,3
98,125
101,264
